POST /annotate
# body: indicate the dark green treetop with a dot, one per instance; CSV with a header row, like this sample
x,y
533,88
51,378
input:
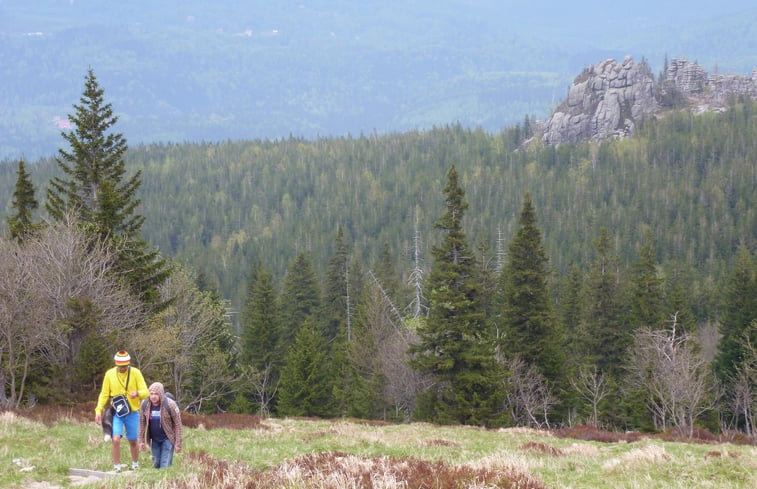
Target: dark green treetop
x,y
24,203
94,186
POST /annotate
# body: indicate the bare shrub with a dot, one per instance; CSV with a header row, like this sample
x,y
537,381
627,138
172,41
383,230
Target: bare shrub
x,y
590,384
529,397
55,289
671,372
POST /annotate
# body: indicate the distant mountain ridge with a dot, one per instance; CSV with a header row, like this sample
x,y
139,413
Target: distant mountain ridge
x,y
189,71
610,98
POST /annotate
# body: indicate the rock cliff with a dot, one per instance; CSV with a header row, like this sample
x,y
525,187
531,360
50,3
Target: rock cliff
x,y
609,98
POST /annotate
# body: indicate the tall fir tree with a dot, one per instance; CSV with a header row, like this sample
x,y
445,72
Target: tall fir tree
x,y
571,304
25,203
739,312
646,296
604,337
531,329
96,189
300,298
334,304
306,387
454,347
259,324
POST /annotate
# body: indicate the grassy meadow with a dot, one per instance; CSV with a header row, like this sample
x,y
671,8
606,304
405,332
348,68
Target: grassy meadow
x,y
39,447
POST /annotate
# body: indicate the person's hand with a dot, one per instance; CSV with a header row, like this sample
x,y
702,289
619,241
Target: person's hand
x,y
133,394
178,450
142,446
98,418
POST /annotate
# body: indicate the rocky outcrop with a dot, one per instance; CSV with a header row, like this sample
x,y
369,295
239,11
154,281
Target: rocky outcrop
x,y
609,98
703,91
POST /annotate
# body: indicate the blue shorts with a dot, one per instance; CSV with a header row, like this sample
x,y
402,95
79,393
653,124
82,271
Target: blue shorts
x,y
130,421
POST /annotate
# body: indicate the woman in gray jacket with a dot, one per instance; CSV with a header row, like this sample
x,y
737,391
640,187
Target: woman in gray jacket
x,y
160,425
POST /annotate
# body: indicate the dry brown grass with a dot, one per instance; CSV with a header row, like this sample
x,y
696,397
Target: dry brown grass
x,y
337,470
540,447
642,456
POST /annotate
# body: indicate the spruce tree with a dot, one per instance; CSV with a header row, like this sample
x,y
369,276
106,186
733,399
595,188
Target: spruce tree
x,y
531,329
646,300
24,203
454,348
94,186
259,324
334,303
305,388
604,337
300,298
739,313
570,313
96,189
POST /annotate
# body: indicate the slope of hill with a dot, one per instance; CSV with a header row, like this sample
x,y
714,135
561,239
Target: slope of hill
x,y
308,453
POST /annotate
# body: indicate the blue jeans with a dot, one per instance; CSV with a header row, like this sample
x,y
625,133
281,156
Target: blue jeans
x,y
162,453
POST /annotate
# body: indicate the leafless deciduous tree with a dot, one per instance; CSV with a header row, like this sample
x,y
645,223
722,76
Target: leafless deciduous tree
x,y
674,376
743,395
42,281
529,397
385,353
263,388
591,386
183,332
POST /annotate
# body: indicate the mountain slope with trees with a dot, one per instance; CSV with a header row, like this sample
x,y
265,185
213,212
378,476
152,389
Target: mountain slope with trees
x,y
670,209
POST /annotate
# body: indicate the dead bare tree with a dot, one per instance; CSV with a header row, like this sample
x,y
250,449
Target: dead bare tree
x,y
529,397
418,305
669,368
590,384
389,340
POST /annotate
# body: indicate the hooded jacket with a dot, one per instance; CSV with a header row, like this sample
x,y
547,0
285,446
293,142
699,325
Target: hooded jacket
x,y
170,417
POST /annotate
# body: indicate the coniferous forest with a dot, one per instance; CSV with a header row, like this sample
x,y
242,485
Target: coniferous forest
x,y
450,275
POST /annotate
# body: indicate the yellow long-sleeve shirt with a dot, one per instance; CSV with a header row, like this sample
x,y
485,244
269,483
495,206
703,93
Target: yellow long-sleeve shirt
x,y
114,383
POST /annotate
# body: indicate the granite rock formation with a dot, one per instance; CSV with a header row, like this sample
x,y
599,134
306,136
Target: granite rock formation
x,y
609,98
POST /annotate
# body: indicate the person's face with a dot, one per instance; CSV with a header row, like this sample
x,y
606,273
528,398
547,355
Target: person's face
x,y
154,397
122,368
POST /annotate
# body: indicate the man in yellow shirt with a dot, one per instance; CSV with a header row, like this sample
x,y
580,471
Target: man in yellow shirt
x,y
123,379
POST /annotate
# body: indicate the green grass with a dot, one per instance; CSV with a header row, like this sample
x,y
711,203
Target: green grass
x,y
279,453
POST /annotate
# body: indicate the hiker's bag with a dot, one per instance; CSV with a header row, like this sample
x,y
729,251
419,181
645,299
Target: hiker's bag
x,y
120,404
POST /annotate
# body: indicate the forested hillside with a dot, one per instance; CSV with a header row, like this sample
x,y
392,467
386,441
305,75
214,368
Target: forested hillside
x,y
688,179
